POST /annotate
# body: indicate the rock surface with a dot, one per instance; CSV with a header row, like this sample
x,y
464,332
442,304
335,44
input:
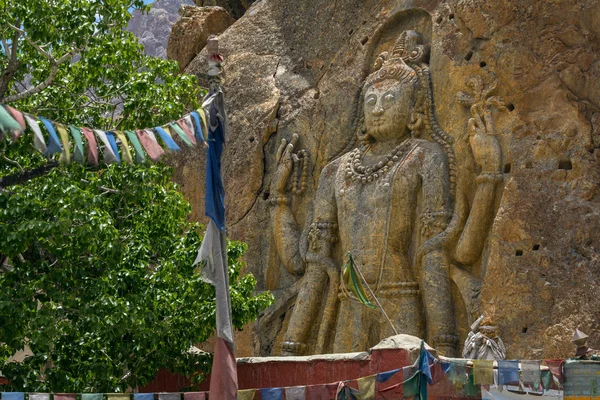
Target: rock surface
x,y
297,67
153,28
236,8
191,31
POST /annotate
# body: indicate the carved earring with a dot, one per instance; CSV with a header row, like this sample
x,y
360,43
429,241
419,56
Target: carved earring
x,y
415,124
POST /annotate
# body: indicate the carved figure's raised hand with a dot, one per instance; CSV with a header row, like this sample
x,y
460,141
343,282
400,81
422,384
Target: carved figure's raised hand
x,y
484,143
285,165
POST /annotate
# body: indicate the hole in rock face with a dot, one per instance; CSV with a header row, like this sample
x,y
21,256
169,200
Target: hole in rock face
x,y
251,139
451,16
351,32
510,107
469,55
438,20
565,164
482,64
364,40
507,169
519,253
266,195
525,329
535,247
529,165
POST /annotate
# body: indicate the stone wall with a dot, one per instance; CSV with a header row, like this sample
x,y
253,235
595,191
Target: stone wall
x,y
297,67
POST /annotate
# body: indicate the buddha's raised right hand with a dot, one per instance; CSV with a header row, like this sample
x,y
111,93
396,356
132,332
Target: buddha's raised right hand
x,y
285,164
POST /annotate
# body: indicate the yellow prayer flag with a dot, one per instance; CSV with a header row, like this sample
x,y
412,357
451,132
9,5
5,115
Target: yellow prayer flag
x,y
366,386
65,156
125,153
483,372
118,396
247,394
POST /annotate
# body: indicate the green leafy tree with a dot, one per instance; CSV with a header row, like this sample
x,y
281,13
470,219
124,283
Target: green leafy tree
x,y
96,275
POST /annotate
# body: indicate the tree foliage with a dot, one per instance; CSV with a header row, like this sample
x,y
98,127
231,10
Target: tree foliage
x,y
96,273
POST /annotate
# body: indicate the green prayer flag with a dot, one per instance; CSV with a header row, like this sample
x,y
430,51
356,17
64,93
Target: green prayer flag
x,y
92,396
181,134
410,387
140,157
471,389
546,379
78,153
353,282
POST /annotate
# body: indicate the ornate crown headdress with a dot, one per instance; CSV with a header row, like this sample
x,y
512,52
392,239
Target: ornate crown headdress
x,y
408,49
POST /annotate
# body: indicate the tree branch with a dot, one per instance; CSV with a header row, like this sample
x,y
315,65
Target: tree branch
x,y
13,63
53,62
28,175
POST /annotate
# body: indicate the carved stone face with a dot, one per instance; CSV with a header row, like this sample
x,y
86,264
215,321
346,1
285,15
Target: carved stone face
x,y
387,107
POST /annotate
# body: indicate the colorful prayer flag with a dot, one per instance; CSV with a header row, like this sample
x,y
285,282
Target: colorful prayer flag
x,y
150,144
366,386
13,396
271,394
8,124
187,126
385,376
38,139
38,396
169,396
144,396
213,251
108,155
112,141
197,127
65,396
181,134
508,372
530,372
194,396
54,145
65,156
483,372
295,393
91,396
167,139
247,394
78,148
140,158
354,283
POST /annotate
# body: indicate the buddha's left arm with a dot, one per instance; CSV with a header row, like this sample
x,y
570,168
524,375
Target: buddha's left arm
x,y
435,283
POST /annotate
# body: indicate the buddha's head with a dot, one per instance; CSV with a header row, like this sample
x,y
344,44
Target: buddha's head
x,y
393,92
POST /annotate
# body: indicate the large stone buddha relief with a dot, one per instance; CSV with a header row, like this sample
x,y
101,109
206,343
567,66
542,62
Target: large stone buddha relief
x,y
392,203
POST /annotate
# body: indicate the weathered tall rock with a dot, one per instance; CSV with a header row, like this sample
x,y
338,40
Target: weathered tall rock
x,y
297,67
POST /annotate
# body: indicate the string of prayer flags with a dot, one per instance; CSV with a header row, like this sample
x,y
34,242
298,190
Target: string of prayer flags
x,y
483,372
247,394
271,394
295,393
144,396
366,386
115,146
508,372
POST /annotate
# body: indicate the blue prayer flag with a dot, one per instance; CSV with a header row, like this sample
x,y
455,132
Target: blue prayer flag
x,y
508,372
143,396
113,145
385,376
167,139
215,192
271,394
54,145
13,396
197,127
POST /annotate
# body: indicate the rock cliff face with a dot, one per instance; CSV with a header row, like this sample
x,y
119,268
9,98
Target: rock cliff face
x,y
153,29
297,67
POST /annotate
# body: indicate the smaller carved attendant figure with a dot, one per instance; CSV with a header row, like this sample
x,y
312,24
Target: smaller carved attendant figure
x,y
483,342
583,352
